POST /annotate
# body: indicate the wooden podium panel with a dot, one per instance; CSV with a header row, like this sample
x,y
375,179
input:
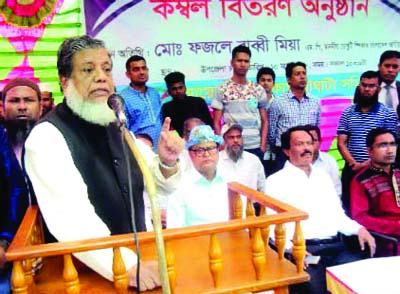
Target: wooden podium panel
x,y
210,258
193,275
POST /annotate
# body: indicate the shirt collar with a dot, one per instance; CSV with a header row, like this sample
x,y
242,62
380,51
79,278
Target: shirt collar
x,y
292,96
392,85
294,169
319,158
137,91
224,155
200,179
374,108
233,82
379,170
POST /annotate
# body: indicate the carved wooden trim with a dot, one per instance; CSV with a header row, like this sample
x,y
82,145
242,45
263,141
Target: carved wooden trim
x,y
215,259
70,275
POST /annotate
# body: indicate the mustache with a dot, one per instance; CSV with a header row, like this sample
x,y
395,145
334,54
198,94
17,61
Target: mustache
x,y
305,152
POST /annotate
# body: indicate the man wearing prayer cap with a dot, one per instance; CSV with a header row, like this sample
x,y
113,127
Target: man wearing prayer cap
x,y
203,194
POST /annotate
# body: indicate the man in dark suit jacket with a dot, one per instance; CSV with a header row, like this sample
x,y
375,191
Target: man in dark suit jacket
x,y
389,67
182,106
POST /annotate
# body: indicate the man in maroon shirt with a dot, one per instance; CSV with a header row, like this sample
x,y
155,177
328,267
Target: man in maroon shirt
x,y
375,190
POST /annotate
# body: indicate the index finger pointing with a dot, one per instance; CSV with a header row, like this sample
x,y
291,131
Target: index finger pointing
x,y
166,125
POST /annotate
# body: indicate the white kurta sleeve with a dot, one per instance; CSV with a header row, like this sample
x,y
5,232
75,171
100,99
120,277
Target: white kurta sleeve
x,y
164,186
63,199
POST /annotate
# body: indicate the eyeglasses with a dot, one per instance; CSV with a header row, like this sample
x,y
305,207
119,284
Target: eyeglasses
x,y
202,150
385,145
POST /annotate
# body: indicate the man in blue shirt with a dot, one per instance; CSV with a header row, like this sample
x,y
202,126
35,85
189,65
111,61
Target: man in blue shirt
x,y
142,103
295,107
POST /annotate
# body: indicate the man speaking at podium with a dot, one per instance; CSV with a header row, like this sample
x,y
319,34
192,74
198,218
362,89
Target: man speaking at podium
x,y
74,158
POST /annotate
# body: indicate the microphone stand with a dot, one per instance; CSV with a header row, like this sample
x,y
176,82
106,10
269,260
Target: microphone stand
x,y
155,208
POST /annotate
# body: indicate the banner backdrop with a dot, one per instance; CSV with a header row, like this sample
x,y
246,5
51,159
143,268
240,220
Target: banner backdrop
x,y
337,39
31,32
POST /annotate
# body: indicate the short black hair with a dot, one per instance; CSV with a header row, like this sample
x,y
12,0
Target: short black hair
x,y
372,134
241,49
174,77
265,71
370,74
389,54
310,128
285,137
291,65
133,58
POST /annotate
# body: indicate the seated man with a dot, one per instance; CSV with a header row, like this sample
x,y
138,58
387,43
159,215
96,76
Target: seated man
x,y
310,189
188,125
324,160
374,192
74,158
202,196
244,167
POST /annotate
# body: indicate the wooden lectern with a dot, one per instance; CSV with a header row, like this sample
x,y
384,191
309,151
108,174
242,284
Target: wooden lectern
x,y
228,257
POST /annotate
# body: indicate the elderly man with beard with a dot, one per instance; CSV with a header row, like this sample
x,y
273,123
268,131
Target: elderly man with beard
x,y
74,158
311,189
22,109
245,167
355,123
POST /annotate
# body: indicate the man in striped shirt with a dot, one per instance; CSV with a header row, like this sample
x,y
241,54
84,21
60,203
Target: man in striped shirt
x,y
355,123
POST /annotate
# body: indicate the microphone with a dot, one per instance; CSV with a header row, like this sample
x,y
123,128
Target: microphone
x,y
116,103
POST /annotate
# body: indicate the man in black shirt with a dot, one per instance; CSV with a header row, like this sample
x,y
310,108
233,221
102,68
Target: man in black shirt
x,y
182,106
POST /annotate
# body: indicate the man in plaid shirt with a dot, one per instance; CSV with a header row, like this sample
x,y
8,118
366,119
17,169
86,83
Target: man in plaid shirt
x,y
293,108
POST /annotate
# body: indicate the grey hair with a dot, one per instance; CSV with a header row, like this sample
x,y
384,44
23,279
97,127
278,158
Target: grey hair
x,y
71,46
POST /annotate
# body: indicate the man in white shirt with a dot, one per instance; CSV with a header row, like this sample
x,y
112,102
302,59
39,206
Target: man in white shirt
x,y
389,67
244,167
310,189
324,160
74,158
202,196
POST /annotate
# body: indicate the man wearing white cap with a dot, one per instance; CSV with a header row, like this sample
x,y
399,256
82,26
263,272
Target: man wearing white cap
x,y
246,167
203,194
47,98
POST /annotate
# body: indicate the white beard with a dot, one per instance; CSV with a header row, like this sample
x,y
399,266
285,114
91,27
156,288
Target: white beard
x,y
94,112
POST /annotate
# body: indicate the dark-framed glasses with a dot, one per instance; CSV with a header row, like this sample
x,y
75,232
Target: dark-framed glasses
x,y
201,151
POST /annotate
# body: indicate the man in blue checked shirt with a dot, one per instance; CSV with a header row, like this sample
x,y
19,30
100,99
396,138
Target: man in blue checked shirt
x,y
142,103
293,108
